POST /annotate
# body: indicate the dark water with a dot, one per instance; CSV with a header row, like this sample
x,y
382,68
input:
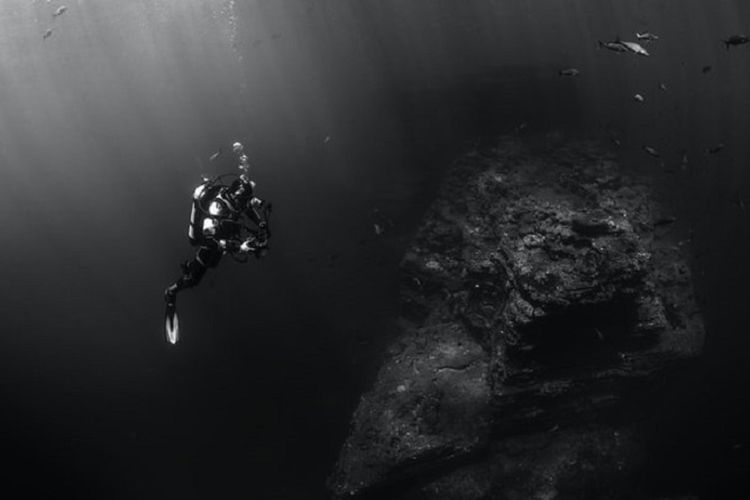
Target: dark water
x,y
106,126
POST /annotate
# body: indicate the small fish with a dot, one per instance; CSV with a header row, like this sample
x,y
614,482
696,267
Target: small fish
x,y
737,201
60,11
715,149
616,46
663,87
706,69
638,98
636,48
651,151
215,155
736,40
684,161
616,142
569,72
378,229
665,221
327,139
522,127
47,34
647,37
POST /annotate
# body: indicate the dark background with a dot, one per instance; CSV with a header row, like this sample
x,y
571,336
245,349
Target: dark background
x,y
106,127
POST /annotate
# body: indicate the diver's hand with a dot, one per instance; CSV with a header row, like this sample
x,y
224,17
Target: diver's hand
x,y
229,245
246,247
253,245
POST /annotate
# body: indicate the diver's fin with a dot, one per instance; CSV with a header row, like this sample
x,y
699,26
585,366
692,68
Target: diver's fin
x,y
172,324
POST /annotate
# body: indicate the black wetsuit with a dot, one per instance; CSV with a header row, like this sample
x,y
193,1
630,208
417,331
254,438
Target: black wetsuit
x,y
229,234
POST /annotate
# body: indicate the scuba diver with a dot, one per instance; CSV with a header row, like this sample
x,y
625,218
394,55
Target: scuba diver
x,y
219,225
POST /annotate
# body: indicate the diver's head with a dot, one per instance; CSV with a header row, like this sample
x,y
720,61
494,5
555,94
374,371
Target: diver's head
x,y
241,193
237,148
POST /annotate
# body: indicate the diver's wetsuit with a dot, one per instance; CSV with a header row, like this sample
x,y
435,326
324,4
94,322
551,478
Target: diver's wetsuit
x,y
208,255
221,231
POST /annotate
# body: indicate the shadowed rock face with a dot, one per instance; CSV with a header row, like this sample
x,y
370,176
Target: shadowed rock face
x,y
430,407
543,302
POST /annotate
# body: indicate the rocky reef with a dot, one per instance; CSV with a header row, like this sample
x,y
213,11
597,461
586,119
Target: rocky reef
x,y
545,300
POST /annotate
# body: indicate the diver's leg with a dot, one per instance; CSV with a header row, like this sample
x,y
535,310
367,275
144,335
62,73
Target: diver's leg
x,y
193,272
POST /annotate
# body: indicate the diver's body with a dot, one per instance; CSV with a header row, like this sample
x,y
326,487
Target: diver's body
x,y
219,225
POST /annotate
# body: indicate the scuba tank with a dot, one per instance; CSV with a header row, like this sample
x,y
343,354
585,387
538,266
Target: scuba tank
x,y
202,197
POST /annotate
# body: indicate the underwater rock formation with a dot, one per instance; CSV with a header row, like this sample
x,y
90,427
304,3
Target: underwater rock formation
x,y
544,302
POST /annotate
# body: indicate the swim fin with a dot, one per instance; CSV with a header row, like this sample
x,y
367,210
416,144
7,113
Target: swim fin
x,y
172,324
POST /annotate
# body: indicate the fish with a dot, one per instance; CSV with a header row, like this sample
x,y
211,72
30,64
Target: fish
x,y
636,48
327,139
378,229
47,34
665,221
737,201
622,46
60,11
647,37
615,46
616,142
215,155
522,127
651,151
735,40
684,161
638,98
569,72
706,69
715,149
663,87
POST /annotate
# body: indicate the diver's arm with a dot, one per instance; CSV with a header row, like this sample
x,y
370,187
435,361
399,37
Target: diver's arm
x,y
249,245
258,212
230,244
257,242
211,234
